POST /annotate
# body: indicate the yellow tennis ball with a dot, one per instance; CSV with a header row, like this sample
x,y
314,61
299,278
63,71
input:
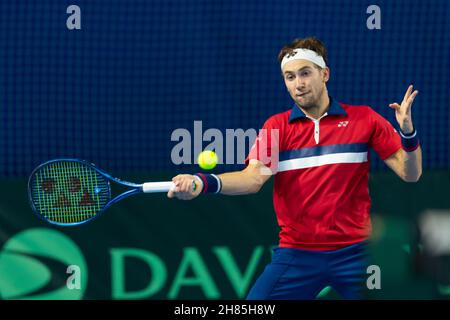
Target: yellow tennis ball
x,y
207,159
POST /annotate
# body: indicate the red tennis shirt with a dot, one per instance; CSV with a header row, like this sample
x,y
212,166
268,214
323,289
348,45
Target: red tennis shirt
x,y
321,167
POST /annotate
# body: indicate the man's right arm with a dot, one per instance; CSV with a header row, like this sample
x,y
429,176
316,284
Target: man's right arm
x,y
248,181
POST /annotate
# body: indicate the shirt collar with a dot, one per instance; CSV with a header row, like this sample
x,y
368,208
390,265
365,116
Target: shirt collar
x,y
334,109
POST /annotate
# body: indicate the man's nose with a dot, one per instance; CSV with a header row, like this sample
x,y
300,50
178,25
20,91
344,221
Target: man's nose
x,y
299,84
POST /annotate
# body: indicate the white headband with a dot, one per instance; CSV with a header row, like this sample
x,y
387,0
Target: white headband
x,y
304,54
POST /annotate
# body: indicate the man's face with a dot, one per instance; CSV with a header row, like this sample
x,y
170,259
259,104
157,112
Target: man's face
x,y
305,82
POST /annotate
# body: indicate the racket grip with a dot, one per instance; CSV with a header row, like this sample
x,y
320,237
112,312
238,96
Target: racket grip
x,y
164,186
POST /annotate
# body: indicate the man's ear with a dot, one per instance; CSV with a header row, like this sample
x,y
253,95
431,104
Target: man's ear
x,y
326,74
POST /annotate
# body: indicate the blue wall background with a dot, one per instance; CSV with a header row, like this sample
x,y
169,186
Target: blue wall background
x,y
114,91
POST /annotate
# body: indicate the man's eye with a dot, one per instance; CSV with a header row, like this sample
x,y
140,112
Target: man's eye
x,y
289,77
305,73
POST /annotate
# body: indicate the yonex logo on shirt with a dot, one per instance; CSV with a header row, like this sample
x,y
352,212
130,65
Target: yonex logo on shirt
x,y
343,124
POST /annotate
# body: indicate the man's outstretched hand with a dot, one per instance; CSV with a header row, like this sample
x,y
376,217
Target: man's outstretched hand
x,y
403,111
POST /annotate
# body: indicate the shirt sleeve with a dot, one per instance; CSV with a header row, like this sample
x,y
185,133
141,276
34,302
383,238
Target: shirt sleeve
x,y
266,146
385,140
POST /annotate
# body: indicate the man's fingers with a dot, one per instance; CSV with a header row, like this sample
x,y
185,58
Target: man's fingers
x,y
172,192
189,185
176,180
412,97
394,106
407,100
408,103
408,92
183,187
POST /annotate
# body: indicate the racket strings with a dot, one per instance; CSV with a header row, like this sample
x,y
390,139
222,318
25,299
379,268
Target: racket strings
x,y
69,192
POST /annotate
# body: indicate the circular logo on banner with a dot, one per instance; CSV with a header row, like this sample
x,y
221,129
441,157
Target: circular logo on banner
x,y
42,263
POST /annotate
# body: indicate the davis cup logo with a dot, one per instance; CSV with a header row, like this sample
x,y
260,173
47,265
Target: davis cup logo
x,y
42,263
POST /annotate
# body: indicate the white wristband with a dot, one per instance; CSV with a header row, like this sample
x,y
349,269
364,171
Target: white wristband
x,y
201,182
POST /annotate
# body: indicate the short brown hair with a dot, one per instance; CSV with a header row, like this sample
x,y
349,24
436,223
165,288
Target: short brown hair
x,y
310,43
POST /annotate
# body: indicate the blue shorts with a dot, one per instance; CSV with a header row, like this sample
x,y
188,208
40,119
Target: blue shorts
x,y
296,274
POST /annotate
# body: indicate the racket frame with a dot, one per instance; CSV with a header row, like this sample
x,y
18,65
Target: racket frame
x,y
135,188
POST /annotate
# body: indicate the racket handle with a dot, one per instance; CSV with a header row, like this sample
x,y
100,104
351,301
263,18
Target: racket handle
x,y
150,187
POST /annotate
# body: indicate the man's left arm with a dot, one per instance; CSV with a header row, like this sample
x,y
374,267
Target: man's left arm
x,y
407,165
407,162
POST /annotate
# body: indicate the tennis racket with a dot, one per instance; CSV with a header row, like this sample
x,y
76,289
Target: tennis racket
x,y
69,192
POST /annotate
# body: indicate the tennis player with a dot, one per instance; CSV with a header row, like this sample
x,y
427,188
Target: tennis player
x,y
321,196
